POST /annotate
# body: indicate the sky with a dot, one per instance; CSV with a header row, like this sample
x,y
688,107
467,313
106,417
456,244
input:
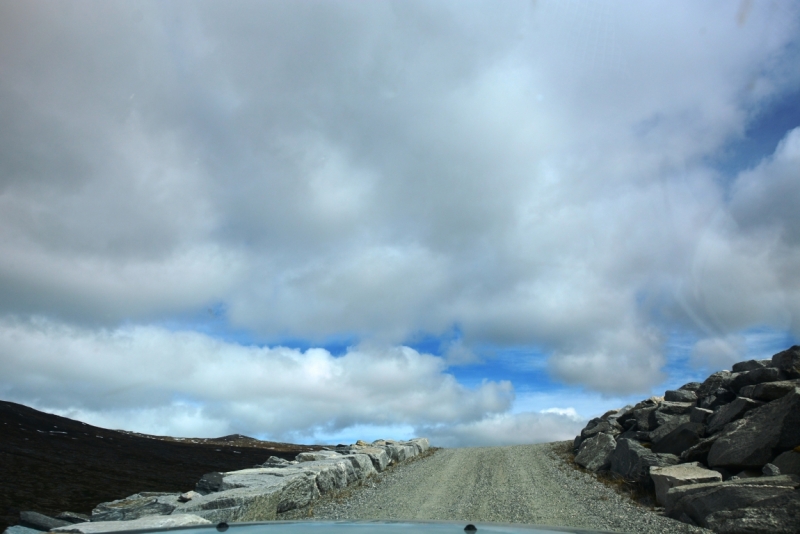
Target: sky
x,y
323,221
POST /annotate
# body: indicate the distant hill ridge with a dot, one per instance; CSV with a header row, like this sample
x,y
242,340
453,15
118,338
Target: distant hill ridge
x,y
53,464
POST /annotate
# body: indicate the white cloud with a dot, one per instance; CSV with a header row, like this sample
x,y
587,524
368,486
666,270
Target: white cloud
x,y
507,429
151,379
532,174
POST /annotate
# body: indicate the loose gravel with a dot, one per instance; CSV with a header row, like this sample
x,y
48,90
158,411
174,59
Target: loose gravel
x,y
530,484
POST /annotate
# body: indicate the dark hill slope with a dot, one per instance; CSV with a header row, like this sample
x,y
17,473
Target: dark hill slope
x,y
52,464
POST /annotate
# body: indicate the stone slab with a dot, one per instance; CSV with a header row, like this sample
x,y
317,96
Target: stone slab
x,y
673,476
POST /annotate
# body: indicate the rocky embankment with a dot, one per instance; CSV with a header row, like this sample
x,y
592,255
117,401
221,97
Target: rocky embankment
x,y
256,494
724,454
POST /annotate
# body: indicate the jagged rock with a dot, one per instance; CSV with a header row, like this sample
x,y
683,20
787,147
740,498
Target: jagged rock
x,y
769,391
399,452
714,382
675,408
329,477
39,521
159,522
750,365
378,456
606,427
622,416
699,415
208,483
698,501
633,461
777,515
673,476
680,395
73,517
254,503
699,451
771,470
637,435
788,361
314,456
188,496
275,461
757,376
136,506
760,436
662,431
645,418
788,462
595,453
662,418
719,398
423,443
691,386
682,438
731,412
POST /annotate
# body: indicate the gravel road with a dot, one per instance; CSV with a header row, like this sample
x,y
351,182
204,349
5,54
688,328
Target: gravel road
x,y
520,484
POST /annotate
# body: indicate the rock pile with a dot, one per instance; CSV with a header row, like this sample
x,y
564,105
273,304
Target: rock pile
x,y
256,494
724,454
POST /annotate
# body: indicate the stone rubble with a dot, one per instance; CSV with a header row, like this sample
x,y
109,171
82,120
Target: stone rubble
x,y
256,494
723,455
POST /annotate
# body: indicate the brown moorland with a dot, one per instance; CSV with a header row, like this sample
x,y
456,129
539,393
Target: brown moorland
x,y
51,464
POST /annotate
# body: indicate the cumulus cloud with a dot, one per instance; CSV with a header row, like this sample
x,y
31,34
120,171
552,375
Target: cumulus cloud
x,y
535,174
188,382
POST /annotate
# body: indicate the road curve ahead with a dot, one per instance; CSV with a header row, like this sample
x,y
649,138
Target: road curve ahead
x,y
519,484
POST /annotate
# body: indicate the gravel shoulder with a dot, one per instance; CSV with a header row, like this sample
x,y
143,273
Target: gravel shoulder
x,y
529,484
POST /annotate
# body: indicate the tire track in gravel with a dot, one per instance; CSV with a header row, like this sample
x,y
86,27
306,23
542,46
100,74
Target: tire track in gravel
x,y
518,484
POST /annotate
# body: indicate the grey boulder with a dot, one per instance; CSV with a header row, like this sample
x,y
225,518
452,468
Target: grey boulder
x,y
750,365
699,415
136,506
680,395
699,501
680,439
595,453
315,456
39,521
633,461
673,476
671,424
714,382
730,412
756,439
769,391
240,504
645,418
788,361
776,515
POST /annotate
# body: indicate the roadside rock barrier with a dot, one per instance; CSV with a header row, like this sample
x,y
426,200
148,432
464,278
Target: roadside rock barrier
x,y
723,454
256,494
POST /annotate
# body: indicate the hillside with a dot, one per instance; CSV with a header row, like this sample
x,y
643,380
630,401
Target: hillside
x,y
52,464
